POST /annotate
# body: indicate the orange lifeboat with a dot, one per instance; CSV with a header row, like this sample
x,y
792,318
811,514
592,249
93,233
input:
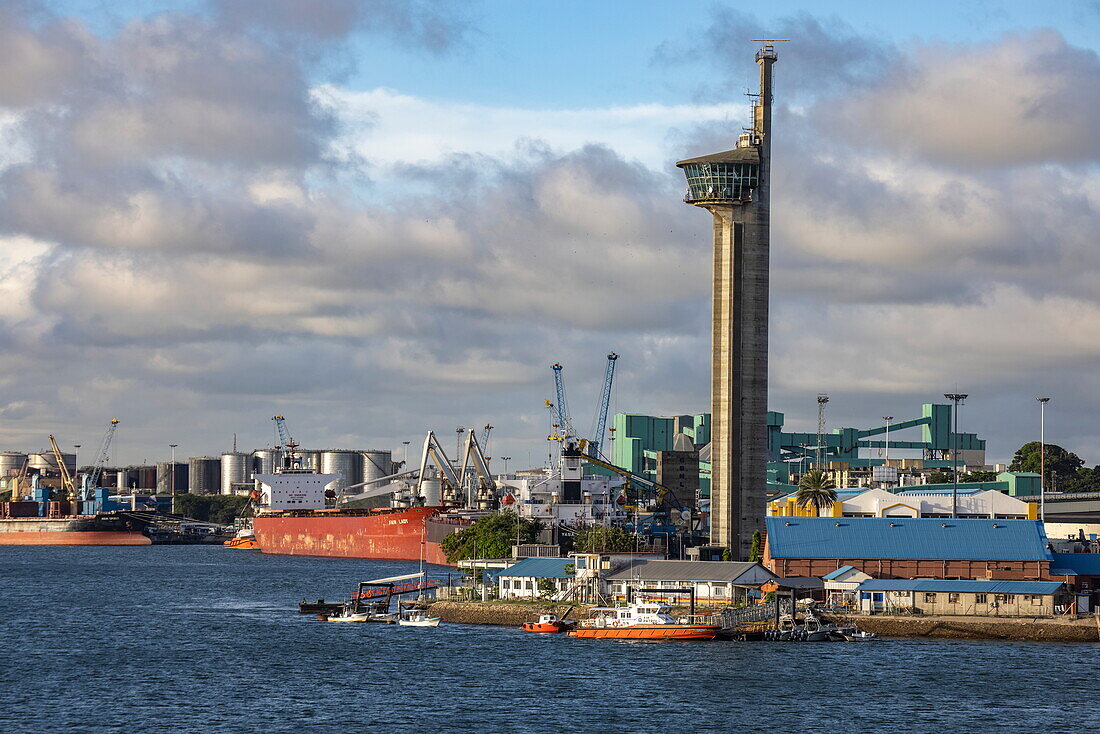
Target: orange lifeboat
x,y
548,624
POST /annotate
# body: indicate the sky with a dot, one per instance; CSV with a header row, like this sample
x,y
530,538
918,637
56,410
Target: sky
x,y
378,218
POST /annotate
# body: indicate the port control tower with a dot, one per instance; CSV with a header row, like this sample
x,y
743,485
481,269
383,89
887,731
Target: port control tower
x,y
734,187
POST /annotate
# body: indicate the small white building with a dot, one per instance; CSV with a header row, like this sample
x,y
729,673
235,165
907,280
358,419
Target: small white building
x,y
528,578
912,503
840,586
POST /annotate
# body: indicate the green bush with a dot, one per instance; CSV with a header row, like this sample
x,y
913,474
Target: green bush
x,y
219,508
490,537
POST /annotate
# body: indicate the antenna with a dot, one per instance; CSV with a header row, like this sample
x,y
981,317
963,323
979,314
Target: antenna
x,y
822,399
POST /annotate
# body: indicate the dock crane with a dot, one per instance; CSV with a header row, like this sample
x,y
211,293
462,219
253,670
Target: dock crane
x,y
286,442
92,481
66,478
563,422
664,497
600,420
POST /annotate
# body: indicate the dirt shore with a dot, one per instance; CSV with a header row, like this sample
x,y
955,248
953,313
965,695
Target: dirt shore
x,y
1085,629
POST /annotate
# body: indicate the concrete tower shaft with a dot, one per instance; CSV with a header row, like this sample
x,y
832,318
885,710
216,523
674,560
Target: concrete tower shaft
x,y
734,187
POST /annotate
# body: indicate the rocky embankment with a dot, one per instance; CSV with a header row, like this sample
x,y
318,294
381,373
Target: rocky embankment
x,y
502,613
1086,629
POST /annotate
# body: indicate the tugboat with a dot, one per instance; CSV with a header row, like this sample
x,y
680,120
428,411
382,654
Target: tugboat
x,y
549,624
642,621
245,539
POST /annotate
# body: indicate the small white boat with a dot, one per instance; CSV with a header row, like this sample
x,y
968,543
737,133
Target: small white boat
x,y
418,619
860,636
348,617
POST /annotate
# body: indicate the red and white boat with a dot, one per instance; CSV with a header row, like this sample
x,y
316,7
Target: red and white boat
x,y
642,621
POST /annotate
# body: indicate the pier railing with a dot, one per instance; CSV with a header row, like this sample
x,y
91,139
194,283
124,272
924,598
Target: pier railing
x,y
756,614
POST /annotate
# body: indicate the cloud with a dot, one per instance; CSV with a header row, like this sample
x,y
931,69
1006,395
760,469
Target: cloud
x,y
437,27
1027,98
197,224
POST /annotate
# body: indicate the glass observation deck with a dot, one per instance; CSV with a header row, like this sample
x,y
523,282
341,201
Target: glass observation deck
x,y
722,177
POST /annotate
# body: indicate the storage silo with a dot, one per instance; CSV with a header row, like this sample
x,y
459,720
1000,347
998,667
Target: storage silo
x,y
348,464
311,459
142,477
11,463
236,470
432,492
46,461
122,479
265,461
165,483
376,464
204,475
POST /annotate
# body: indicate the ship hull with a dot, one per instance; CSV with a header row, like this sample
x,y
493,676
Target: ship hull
x,y
65,531
397,535
649,632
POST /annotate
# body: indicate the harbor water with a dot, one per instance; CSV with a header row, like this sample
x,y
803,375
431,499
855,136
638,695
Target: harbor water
x,y
199,638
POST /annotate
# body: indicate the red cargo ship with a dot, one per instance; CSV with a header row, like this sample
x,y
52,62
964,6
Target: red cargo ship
x,y
388,534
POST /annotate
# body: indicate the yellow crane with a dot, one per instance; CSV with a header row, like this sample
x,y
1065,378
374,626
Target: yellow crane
x,y
66,478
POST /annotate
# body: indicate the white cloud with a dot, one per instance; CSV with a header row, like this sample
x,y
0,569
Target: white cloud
x,y
387,127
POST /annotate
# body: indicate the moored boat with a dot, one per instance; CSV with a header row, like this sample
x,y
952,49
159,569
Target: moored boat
x,y
244,540
418,618
548,624
641,621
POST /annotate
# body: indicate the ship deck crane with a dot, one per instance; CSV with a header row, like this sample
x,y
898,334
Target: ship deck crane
x,y
487,486
564,421
434,451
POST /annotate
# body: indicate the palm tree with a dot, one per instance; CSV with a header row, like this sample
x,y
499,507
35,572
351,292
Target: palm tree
x,y
815,489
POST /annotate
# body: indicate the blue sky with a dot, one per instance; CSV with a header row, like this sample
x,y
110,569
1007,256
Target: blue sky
x,y
380,217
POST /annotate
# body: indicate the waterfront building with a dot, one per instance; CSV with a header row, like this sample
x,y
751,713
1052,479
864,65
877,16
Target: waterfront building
x,y
1081,573
904,548
521,580
945,597
714,582
840,586
930,501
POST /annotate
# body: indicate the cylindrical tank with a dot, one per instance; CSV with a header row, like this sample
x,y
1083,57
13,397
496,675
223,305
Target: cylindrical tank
x,y
165,484
46,461
348,464
376,464
265,461
311,459
122,480
432,492
142,477
204,475
11,463
236,469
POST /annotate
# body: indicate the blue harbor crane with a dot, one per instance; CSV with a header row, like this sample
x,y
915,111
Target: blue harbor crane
x,y
564,423
92,481
600,419
286,442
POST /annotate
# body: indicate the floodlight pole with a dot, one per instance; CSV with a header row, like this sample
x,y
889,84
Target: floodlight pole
x,y
1043,458
956,398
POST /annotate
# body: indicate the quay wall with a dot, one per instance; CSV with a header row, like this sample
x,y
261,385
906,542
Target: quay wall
x,y
511,615
1085,629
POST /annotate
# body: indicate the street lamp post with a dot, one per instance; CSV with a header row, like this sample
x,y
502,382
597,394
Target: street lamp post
x,y
172,475
957,398
506,459
406,459
887,418
1043,458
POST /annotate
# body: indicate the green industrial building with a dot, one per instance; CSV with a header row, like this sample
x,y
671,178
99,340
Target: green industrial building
x,y
638,439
